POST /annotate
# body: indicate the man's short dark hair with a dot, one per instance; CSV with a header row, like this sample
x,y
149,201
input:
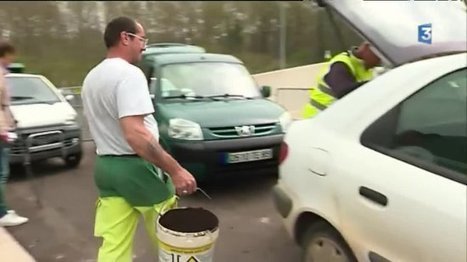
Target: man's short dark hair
x,y
6,48
115,27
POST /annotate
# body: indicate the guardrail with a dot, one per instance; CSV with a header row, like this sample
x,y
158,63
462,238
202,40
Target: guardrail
x,y
71,90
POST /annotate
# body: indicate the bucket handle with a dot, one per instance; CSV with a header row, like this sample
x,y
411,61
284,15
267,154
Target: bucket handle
x,y
163,208
204,193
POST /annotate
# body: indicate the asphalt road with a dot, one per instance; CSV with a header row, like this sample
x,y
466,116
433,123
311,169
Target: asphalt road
x,y
62,229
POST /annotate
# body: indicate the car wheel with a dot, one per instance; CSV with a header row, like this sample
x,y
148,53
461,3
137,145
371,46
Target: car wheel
x,y
323,243
73,160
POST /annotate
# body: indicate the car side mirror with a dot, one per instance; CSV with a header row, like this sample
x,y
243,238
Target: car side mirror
x,y
321,3
266,91
69,97
16,68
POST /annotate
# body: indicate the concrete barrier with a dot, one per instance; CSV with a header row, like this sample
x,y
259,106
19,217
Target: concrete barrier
x,y
289,87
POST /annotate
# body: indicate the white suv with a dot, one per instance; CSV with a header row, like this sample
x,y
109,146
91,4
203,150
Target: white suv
x,y
381,174
47,124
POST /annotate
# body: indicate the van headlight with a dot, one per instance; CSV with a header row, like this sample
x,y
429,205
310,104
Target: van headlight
x,y
71,120
184,129
285,120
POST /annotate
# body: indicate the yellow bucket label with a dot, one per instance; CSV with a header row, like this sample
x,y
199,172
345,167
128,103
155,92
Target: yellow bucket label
x,y
184,250
169,253
192,259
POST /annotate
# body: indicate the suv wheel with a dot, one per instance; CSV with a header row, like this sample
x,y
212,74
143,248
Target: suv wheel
x,y
73,161
323,243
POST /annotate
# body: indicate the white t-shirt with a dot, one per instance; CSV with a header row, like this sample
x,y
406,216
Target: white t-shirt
x,y
111,90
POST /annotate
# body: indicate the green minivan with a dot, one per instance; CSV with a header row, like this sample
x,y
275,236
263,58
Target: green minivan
x,y
212,116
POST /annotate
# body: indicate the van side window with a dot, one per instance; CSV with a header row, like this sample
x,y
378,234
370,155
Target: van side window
x,y
149,74
152,85
428,129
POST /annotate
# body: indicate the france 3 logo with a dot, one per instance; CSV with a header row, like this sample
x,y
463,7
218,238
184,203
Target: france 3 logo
x,y
425,33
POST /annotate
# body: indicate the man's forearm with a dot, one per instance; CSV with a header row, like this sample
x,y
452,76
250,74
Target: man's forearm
x,y
351,87
143,142
161,158
341,80
146,146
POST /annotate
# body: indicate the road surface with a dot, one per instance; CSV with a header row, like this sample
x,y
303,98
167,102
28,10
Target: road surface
x,y
250,228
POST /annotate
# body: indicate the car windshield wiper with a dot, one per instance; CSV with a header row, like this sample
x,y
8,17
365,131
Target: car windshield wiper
x,y
34,101
46,102
188,97
16,98
230,95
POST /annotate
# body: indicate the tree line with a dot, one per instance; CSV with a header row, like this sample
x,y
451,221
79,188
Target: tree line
x,y
63,40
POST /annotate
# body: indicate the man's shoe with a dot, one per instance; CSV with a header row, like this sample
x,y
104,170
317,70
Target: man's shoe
x,y
13,212
12,219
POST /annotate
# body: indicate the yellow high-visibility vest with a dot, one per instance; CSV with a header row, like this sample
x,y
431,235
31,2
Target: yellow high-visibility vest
x,y
321,96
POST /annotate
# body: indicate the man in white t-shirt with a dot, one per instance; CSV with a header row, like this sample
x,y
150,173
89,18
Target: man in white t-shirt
x,y
129,160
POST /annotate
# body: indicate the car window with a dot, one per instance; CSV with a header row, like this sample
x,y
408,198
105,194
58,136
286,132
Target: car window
x,y
429,128
152,85
167,87
208,79
30,90
147,68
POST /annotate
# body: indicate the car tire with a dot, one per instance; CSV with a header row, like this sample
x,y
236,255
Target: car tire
x,y
73,161
321,242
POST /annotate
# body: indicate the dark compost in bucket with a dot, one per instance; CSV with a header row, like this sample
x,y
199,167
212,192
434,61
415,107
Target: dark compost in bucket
x,y
189,220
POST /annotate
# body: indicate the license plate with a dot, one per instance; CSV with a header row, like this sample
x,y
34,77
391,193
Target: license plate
x,y
248,156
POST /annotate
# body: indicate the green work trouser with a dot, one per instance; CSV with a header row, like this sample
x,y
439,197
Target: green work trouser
x,y
116,222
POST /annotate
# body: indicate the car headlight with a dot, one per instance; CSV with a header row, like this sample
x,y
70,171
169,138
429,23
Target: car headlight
x,y
285,120
184,129
71,120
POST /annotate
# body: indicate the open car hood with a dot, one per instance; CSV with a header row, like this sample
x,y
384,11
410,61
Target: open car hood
x,y
393,27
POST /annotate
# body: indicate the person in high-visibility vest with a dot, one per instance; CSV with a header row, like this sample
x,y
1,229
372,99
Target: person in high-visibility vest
x,y
342,74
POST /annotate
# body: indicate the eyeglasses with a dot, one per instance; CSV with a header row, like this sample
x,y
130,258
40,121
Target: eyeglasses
x,y
144,40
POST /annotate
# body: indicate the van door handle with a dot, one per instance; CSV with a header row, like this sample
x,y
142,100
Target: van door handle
x,y
373,196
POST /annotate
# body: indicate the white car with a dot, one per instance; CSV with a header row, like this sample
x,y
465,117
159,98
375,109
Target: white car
x,y
381,174
47,124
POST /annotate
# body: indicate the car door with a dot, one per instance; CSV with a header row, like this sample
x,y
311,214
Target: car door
x,y
404,196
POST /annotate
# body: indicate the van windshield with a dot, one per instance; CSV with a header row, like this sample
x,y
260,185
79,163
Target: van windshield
x,y
30,90
207,79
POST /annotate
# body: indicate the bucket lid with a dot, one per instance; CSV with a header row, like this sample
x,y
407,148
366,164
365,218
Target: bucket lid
x,y
189,220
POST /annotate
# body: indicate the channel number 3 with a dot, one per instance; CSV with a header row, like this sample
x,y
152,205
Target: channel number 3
x,y
425,33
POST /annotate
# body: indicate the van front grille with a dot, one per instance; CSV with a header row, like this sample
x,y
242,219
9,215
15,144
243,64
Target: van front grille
x,y
243,131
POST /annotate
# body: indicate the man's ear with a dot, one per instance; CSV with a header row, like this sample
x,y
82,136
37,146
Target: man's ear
x,y
366,45
124,38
